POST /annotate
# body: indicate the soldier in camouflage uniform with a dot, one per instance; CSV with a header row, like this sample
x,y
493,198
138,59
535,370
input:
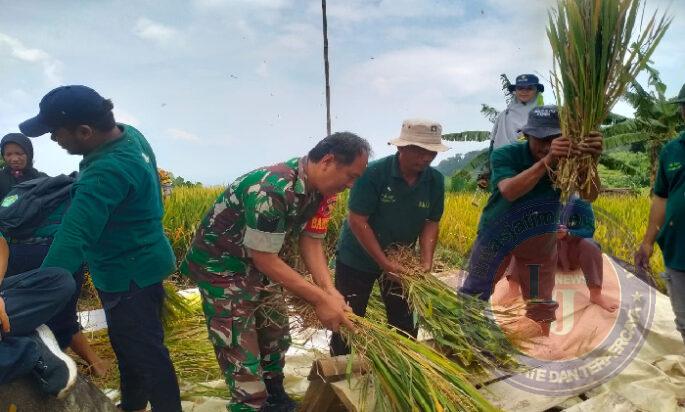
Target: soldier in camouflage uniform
x,y
234,260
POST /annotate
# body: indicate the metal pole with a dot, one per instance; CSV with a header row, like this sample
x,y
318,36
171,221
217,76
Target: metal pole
x,y
325,65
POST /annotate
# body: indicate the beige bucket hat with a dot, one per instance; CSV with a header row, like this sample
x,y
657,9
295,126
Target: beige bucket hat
x,y
421,132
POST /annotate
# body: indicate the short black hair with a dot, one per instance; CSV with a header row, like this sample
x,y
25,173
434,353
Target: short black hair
x,y
344,146
104,123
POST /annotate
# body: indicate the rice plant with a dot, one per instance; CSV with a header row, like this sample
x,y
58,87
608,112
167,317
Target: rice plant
x,y
597,52
402,373
462,326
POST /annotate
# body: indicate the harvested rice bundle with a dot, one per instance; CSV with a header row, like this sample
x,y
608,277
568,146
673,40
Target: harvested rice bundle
x,y
597,52
406,375
460,324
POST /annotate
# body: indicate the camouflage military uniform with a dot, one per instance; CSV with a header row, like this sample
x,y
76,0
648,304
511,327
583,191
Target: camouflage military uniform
x,y
258,211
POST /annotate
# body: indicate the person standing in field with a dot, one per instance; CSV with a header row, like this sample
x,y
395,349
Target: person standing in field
x,y
667,221
114,225
234,259
398,200
521,183
508,124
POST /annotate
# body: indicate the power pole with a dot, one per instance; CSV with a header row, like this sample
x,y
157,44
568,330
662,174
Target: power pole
x,y
325,67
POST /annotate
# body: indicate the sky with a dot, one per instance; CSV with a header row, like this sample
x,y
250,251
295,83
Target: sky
x,y
221,87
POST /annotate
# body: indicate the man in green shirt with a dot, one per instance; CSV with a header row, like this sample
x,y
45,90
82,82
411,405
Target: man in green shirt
x,y
520,220
234,259
667,220
114,225
398,200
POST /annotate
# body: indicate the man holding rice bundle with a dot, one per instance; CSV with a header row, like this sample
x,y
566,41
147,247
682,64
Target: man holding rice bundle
x,y
522,195
234,259
667,220
398,200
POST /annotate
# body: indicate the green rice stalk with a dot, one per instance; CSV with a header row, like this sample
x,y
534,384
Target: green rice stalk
x,y
405,375
462,326
597,52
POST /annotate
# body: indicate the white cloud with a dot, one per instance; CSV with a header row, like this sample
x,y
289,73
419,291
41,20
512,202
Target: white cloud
x,y
125,117
362,10
219,4
179,134
159,33
52,67
300,37
262,70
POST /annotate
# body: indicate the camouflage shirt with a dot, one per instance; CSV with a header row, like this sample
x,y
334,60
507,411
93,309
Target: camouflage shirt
x,y
257,211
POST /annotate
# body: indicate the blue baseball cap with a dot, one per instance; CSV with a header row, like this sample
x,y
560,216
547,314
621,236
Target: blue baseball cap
x,y
66,105
543,123
527,80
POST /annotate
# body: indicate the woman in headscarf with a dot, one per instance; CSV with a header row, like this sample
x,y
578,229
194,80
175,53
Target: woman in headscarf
x,y
507,129
17,152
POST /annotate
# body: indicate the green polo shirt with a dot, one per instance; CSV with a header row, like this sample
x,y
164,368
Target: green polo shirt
x,y
509,161
114,222
397,212
670,184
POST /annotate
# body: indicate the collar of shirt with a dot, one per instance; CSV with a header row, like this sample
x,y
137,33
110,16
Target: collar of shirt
x,y
300,185
395,171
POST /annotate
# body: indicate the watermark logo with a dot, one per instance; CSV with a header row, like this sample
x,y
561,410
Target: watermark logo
x,y
587,342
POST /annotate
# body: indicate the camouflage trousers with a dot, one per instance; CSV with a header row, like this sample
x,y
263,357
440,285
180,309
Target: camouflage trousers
x,y
248,325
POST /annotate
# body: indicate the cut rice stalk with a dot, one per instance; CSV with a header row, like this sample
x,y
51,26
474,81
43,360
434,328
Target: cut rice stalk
x,y
597,53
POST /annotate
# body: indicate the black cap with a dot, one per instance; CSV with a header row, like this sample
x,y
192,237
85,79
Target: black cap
x,y
66,105
525,80
543,122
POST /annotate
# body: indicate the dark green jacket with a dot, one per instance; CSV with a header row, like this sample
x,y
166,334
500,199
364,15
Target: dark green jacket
x,y
114,220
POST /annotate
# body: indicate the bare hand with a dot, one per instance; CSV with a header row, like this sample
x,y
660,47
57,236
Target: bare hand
x,y
593,144
4,319
332,315
560,147
427,266
338,298
642,256
393,269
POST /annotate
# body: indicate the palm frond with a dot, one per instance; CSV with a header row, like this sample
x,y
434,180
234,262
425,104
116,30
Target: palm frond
x,y
614,163
505,87
467,136
625,139
477,162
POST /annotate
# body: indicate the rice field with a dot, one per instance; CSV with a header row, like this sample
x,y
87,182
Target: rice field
x,y
621,221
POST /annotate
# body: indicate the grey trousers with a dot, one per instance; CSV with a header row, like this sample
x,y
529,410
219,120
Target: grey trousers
x,y
675,283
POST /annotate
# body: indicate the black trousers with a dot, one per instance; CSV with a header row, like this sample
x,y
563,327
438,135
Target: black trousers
x,y
356,285
137,337
31,299
29,257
